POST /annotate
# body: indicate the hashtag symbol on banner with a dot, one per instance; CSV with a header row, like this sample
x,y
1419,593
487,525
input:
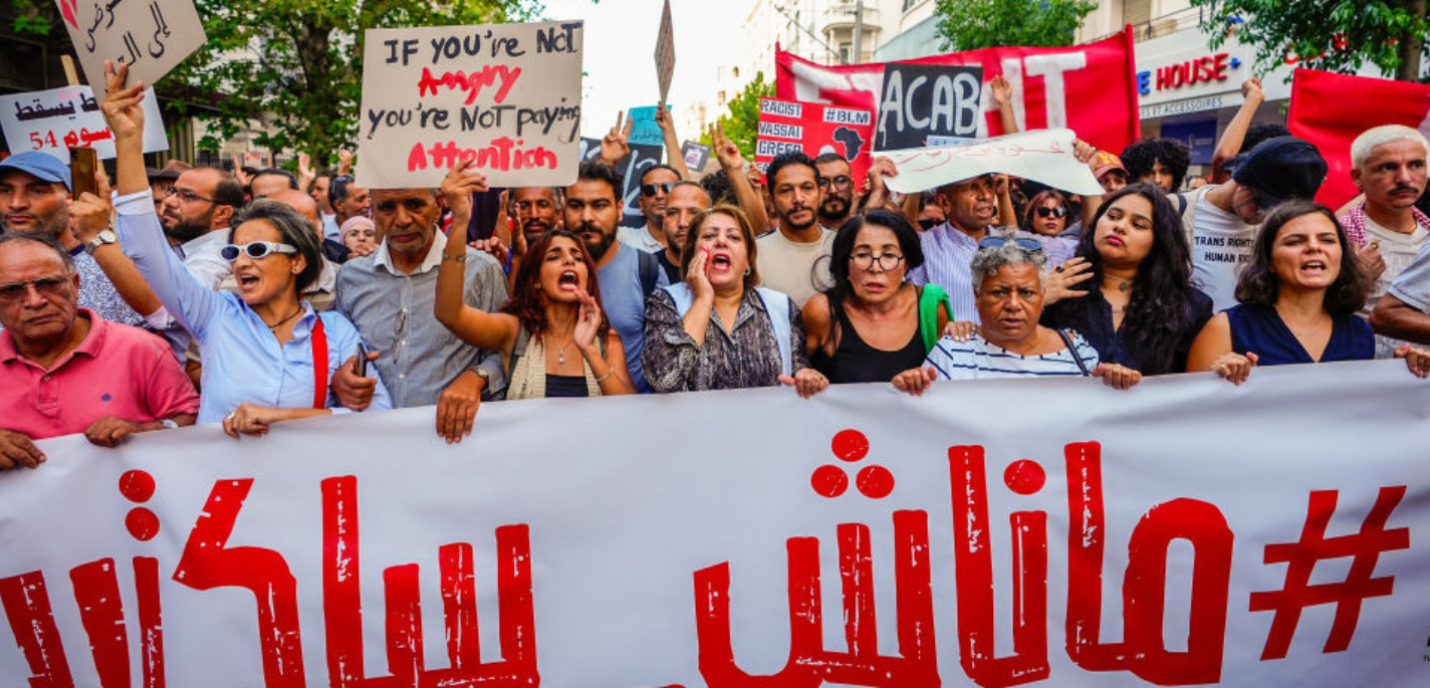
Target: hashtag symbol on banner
x,y
1364,548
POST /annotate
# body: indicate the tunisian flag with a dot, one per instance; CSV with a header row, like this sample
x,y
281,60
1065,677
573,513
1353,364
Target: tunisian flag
x,y
1091,89
1331,110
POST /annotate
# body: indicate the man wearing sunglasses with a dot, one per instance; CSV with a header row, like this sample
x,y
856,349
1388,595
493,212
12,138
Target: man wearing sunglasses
x,y
1221,221
656,182
66,370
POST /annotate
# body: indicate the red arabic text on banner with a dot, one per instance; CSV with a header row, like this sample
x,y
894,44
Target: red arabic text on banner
x,y
816,129
1091,89
1331,110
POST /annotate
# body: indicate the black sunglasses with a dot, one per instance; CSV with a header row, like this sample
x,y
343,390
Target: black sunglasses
x,y
649,190
1059,211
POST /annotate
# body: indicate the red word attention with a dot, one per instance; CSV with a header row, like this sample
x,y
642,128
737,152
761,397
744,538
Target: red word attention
x,y
503,154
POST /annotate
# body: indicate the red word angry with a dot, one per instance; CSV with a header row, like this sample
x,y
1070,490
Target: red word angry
x,y
472,83
503,154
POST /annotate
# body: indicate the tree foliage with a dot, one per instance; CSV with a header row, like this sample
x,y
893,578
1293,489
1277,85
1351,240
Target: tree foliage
x,y
975,24
742,124
1331,35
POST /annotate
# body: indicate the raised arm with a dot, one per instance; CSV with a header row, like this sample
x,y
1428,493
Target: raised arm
x,y
1235,134
138,227
494,331
92,214
673,154
1002,91
745,194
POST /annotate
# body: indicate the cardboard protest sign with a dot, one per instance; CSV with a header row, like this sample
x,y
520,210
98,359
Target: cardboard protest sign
x,y
697,155
815,129
665,53
928,105
257,159
56,120
1091,88
640,158
1181,533
506,95
1044,155
644,129
152,38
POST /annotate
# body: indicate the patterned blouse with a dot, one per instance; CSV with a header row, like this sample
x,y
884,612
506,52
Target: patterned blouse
x,y
746,356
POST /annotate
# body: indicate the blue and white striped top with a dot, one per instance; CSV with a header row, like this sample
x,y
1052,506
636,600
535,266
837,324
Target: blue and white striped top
x,y
977,359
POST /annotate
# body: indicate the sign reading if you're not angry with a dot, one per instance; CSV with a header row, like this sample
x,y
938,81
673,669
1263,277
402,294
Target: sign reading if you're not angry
x,y
507,96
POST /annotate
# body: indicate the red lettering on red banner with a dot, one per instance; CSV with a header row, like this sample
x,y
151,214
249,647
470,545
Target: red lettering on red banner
x,y
208,562
1297,593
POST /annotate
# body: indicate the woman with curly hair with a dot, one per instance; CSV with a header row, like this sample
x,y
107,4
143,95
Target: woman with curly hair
x,y
1298,297
1143,312
555,310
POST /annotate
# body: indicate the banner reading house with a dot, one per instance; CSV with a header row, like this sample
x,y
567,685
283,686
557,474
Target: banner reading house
x,y
505,95
928,105
815,129
151,37
1187,532
56,120
1091,88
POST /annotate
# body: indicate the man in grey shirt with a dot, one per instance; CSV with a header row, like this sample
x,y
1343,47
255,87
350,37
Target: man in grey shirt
x,y
389,296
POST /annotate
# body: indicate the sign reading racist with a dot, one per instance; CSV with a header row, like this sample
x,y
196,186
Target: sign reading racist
x,y
815,129
928,105
505,95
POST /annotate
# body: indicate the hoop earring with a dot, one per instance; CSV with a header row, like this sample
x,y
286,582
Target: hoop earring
x,y
748,271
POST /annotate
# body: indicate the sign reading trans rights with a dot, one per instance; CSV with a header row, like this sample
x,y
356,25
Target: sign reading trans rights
x,y
507,96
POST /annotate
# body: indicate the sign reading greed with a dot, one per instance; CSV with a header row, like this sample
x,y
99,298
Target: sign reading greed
x,y
1186,532
505,95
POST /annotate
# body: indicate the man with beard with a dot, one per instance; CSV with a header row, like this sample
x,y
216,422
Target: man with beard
x,y
390,295
971,207
35,200
626,275
686,200
836,189
196,218
795,258
656,182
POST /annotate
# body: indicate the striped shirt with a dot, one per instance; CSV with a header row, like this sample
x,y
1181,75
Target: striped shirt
x,y
977,359
948,256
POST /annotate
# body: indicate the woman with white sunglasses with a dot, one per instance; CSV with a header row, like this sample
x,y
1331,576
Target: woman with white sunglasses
x,y
268,356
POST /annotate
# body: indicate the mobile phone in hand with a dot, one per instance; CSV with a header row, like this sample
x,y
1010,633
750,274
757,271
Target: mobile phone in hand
x,y
83,162
360,365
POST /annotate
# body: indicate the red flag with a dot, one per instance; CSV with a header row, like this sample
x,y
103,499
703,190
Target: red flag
x,y
1091,89
1331,110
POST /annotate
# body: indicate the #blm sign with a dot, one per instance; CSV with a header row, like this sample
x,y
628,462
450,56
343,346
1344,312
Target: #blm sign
x,y
815,129
665,52
151,37
928,105
56,120
505,95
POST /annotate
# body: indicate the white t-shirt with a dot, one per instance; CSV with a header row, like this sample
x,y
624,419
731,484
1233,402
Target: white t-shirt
x,y
638,238
1221,245
797,269
1398,250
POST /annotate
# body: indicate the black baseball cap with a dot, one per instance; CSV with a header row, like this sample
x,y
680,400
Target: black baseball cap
x,y
1280,168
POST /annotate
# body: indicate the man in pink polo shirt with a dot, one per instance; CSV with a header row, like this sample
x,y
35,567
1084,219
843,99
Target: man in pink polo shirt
x,y
66,370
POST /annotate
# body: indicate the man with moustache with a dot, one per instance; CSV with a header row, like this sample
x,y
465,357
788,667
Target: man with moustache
x,y
971,207
390,295
656,182
795,258
626,275
196,219
836,189
686,200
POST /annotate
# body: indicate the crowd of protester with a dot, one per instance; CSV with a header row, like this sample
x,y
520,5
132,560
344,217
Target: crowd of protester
x,y
246,298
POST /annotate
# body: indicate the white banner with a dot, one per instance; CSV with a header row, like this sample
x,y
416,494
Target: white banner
x,y
505,95
994,533
1042,155
59,119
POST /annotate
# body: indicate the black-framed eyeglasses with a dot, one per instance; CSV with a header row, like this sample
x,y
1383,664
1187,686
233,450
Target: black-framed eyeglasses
x,y
649,190
45,286
1021,242
188,196
1060,211
840,183
887,261
255,250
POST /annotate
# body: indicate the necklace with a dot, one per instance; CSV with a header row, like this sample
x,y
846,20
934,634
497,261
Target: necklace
x,y
278,324
561,353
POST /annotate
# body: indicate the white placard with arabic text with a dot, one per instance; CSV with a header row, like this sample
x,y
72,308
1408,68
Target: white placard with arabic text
x,y
151,36
56,120
1042,155
1169,535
